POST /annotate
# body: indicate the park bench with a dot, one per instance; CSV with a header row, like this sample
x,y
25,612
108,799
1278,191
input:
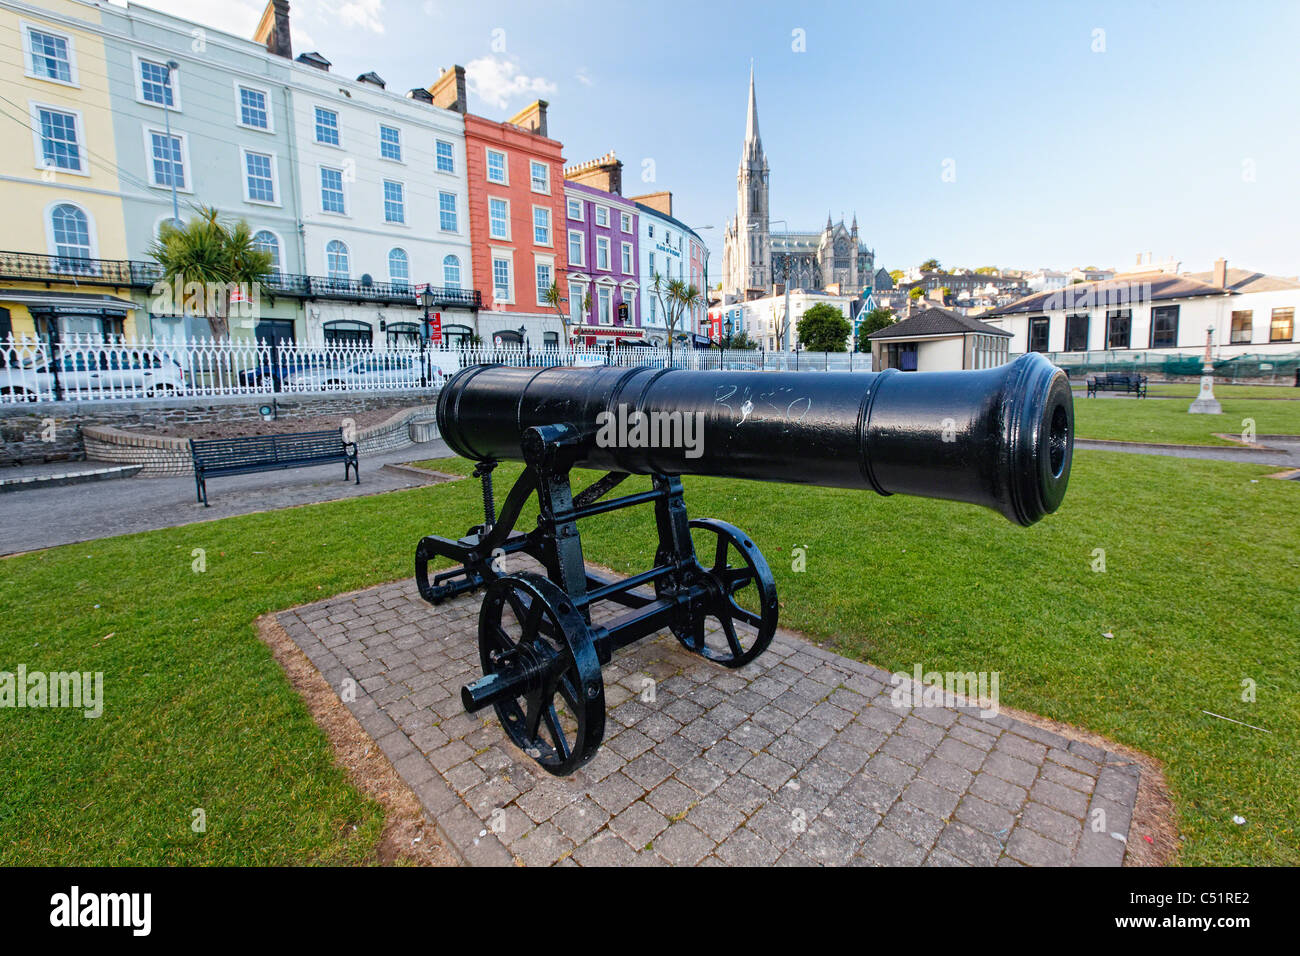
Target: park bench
x,y
1117,383
250,453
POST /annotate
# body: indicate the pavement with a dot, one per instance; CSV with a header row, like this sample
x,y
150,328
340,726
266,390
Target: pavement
x,y
799,758
43,517
1271,451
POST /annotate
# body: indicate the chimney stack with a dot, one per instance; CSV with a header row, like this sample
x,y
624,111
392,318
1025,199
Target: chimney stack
x,y
604,173
1220,273
532,117
273,29
449,90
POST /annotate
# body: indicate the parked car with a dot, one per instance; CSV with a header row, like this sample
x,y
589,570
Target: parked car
x,y
110,372
381,370
289,365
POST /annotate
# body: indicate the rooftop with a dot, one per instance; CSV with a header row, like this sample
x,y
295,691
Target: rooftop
x,y
936,322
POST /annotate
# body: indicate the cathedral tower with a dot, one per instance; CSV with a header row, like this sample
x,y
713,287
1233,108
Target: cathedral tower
x,y
747,252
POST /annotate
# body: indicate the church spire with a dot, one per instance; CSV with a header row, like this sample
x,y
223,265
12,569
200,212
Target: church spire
x,y
752,140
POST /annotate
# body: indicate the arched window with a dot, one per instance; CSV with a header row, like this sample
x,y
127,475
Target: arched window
x,y
70,228
451,272
456,336
399,267
336,260
265,241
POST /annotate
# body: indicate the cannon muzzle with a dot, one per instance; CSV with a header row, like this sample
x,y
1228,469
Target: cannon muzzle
x,y
1000,437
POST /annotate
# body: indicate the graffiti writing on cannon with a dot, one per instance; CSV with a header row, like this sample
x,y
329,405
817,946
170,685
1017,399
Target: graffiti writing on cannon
x,y
778,404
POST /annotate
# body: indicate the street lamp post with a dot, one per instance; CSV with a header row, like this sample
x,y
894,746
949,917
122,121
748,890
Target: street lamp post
x,y
170,67
426,300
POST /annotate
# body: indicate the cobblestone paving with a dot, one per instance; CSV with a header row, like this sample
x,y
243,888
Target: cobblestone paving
x,y
800,758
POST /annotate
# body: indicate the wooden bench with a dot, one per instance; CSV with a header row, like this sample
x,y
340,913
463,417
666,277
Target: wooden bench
x,y
1117,383
240,456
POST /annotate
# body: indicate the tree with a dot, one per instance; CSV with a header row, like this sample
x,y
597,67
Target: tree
x,y
916,292
741,340
823,328
931,265
675,297
555,302
945,294
878,318
896,275
220,257
987,270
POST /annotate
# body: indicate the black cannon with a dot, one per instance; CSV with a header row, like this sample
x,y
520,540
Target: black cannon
x,y
999,437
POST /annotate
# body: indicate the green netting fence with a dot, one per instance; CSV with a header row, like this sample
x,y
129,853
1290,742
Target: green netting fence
x,y
1256,368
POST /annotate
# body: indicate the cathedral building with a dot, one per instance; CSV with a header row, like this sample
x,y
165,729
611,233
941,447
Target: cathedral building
x,y
754,257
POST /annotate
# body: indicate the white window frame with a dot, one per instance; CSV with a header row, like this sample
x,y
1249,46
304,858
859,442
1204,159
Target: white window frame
x,y
597,217
629,299
39,151
347,251
149,130
239,108
320,190
507,256
452,147
550,226
607,291
627,262
29,62
531,179
581,216
576,312
608,266
338,126
541,259
491,235
383,202
582,247
90,227
279,244
456,200
388,263
173,78
243,168
401,143
625,222
487,166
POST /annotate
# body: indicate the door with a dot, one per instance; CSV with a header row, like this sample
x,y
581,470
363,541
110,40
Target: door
x,y
907,358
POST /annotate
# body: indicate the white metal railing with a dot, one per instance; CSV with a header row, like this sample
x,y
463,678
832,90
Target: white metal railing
x,y
86,367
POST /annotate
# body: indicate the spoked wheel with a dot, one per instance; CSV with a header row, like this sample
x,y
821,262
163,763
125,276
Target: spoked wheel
x,y
739,614
528,629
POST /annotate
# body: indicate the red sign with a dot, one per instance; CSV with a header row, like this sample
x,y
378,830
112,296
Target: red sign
x,y
715,325
435,327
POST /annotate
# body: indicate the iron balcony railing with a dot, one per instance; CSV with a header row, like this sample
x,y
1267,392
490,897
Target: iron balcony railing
x,y
37,267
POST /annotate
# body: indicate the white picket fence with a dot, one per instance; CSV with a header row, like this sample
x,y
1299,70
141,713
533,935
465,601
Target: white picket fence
x,y
82,367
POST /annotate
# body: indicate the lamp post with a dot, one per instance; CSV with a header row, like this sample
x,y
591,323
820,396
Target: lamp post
x,y
170,67
426,300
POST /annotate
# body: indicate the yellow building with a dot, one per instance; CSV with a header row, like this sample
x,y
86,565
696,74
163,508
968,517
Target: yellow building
x,y
63,263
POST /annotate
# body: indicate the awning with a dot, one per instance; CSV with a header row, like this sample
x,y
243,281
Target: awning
x,y
68,303
608,331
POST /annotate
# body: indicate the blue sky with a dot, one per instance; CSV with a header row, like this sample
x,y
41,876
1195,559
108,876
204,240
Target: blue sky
x,y
1179,136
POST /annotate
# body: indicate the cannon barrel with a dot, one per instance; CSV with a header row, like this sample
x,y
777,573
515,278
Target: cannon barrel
x,y
1000,437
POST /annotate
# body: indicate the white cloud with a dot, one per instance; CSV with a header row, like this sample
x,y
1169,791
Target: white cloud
x,y
497,81
366,14
583,77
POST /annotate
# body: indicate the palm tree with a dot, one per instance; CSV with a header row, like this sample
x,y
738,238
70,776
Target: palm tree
x,y
553,299
683,298
218,256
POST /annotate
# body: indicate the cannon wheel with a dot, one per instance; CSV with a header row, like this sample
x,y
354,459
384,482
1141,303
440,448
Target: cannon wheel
x,y
741,596
527,621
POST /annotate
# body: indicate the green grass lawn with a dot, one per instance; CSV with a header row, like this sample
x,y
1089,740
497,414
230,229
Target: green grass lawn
x,y
1189,390
1200,592
1167,422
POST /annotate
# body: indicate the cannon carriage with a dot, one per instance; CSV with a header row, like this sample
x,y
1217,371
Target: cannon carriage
x,y
1001,438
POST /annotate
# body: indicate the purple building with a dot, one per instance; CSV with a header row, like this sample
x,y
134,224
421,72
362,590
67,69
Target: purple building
x,y
601,229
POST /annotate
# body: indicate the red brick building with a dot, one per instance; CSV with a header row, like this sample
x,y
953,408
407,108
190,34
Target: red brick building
x,y
516,225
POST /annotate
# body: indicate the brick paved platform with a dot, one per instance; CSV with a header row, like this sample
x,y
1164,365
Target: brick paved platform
x,y
799,758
